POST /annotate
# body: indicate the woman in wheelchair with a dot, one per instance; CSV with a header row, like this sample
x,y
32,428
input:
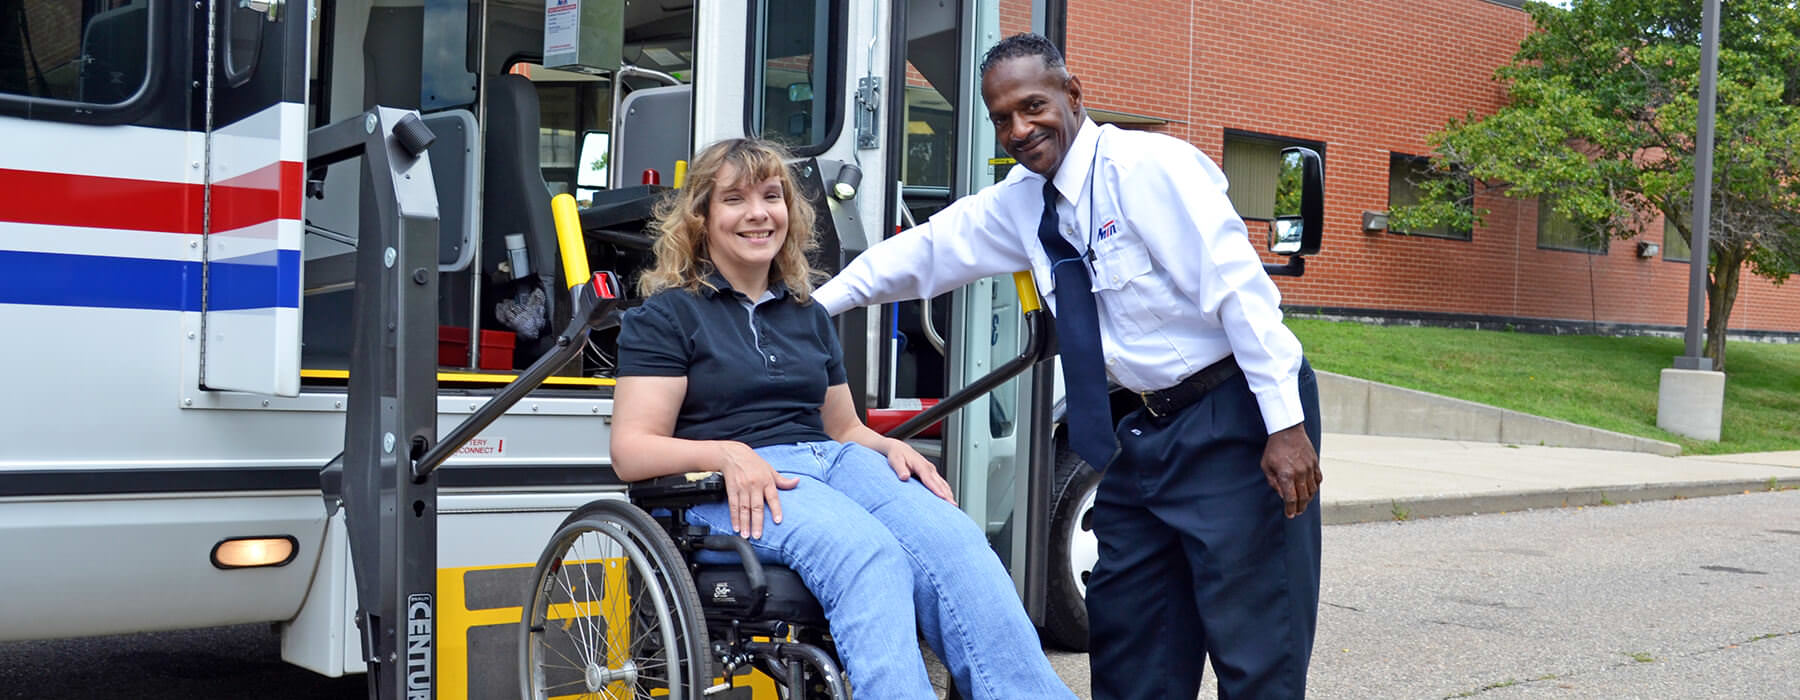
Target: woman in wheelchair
x,y
729,367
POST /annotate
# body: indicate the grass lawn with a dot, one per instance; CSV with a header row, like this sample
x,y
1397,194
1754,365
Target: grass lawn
x,y
1608,383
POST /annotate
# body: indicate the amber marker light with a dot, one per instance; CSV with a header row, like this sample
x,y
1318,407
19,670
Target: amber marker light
x,y
247,552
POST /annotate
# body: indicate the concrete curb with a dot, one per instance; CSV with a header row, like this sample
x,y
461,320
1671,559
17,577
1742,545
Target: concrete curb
x,y
1363,407
1375,510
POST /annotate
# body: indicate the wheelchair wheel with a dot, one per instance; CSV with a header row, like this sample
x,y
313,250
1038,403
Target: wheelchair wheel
x,y
613,613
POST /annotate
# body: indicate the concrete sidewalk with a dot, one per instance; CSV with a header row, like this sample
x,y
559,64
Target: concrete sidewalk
x,y
1372,478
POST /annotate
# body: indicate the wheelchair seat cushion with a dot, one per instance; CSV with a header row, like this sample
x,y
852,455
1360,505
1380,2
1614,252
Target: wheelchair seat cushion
x,y
725,594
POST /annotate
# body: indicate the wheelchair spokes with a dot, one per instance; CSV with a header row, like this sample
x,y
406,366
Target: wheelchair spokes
x,y
606,620
615,613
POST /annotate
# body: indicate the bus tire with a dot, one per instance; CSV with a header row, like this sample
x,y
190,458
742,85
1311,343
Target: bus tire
x,y
1073,550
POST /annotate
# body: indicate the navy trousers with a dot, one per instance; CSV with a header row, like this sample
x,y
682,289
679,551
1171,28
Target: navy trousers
x,y
1197,559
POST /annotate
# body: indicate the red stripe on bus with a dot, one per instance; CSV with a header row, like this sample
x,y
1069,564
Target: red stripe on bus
x,y
91,201
61,199
272,192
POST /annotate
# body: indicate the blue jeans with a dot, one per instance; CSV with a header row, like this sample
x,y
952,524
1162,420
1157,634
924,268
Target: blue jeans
x,y
880,553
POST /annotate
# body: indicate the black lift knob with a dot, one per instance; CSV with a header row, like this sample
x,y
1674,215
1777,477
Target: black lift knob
x,y
414,136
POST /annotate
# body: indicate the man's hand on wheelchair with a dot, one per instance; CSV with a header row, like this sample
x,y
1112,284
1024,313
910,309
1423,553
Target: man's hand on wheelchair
x,y
750,483
908,463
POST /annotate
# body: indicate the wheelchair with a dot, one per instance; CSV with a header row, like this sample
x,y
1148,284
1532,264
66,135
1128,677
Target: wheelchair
x,y
629,600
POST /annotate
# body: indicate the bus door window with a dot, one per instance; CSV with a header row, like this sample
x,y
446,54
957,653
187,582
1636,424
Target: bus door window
x,y
927,171
795,76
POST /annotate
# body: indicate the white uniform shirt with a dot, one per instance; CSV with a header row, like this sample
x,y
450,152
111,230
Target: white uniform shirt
x,y
1178,284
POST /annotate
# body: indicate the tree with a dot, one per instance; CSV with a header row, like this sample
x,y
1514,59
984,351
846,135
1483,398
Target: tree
x,y
1603,101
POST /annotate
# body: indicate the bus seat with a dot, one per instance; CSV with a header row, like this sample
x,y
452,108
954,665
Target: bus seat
x,y
653,135
655,131
516,200
114,53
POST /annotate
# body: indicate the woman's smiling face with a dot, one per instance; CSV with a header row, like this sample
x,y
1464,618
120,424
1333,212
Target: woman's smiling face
x,y
746,222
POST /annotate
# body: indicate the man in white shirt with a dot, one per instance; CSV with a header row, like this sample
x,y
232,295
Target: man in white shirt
x,y
1207,543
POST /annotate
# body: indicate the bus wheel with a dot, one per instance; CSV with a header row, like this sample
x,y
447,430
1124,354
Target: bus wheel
x,y
1073,551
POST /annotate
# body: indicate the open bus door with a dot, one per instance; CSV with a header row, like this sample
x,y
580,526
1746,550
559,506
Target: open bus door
x,y
254,174
944,149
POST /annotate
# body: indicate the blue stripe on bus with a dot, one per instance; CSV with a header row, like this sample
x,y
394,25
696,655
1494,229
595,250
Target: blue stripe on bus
x,y
267,280
249,278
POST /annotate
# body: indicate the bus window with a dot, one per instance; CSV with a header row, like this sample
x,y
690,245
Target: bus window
x,y
793,95
591,165
243,29
74,50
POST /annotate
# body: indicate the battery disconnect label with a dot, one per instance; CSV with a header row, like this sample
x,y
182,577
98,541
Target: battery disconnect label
x,y
483,447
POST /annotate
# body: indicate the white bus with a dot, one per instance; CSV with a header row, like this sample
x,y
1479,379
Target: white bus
x,y
179,287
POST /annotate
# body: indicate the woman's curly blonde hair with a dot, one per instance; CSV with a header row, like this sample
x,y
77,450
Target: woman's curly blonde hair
x,y
681,257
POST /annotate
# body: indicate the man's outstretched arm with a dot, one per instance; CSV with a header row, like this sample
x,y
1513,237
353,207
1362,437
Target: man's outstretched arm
x,y
968,240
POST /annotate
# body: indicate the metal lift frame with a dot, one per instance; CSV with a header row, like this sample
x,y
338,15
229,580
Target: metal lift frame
x,y
386,478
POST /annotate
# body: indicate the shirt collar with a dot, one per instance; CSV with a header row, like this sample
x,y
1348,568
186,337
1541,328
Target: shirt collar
x,y
1071,176
716,283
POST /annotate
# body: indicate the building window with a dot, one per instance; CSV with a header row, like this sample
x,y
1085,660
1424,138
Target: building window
x,y
1557,232
74,51
1407,179
1675,246
1253,169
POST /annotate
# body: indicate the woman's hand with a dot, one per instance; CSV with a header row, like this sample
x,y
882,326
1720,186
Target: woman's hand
x,y
843,425
908,463
750,483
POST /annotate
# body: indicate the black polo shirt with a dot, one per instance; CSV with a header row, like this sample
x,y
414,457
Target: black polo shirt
x,y
757,373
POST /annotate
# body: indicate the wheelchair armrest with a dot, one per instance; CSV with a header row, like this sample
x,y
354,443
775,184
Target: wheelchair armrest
x,y
753,569
694,488
678,490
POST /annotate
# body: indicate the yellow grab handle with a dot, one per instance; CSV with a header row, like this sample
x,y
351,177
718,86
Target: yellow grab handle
x,y
1028,294
568,238
680,173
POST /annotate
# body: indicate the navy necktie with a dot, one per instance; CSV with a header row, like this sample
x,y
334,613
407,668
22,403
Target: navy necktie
x,y
1078,337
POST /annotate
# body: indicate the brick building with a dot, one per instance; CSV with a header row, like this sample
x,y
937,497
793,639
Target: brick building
x,y
1366,83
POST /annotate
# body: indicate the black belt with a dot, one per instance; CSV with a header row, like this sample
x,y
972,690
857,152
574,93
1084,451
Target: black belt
x,y
1166,402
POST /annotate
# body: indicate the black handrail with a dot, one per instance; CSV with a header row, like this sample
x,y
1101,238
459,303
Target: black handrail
x,y
592,313
1037,347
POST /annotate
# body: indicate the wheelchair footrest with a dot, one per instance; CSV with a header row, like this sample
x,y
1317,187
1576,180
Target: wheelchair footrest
x,y
725,595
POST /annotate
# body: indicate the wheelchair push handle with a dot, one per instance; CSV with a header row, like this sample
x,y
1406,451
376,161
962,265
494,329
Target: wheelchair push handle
x,y
753,568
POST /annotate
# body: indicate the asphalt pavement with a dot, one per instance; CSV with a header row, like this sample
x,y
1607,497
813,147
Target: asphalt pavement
x,y
1422,609
1372,479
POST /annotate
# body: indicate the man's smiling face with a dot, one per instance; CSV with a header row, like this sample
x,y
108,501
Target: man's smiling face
x,y
1036,111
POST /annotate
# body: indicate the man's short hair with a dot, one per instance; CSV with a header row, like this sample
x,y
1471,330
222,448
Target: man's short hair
x,y
1021,45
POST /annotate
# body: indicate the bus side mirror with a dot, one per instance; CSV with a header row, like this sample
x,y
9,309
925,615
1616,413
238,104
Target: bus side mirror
x,y
1299,203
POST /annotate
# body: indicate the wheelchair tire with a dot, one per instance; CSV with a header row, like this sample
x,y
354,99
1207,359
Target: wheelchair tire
x,y
612,612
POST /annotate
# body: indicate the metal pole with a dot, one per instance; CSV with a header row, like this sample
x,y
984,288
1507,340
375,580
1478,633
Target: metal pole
x,y
1703,157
